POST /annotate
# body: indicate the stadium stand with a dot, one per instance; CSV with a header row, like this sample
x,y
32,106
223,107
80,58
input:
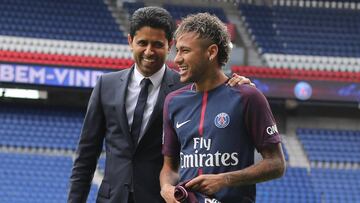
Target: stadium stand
x,y
296,74
64,60
44,180
132,6
77,34
84,20
330,145
181,11
296,186
336,185
299,37
39,128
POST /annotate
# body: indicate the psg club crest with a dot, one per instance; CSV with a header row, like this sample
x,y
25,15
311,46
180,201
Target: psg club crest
x,y
222,120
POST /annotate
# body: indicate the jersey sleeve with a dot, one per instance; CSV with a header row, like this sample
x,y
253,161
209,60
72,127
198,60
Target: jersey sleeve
x,y
170,143
259,120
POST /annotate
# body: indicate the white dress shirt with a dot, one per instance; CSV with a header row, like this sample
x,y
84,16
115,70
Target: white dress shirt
x,y
133,91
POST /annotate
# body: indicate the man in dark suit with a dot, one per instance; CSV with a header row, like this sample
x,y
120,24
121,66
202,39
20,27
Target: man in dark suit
x,y
132,134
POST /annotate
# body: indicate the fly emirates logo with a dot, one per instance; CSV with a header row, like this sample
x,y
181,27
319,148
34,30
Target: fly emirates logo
x,y
209,159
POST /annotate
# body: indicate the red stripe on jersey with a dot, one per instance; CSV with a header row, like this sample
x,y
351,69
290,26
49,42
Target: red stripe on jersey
x,y
200,171
202,117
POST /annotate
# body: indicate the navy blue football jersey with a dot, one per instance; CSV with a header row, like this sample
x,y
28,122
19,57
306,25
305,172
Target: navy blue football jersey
x,y
217,131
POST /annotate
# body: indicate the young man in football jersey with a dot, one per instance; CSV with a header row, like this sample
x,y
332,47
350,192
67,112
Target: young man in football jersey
x,y
210,129
124,114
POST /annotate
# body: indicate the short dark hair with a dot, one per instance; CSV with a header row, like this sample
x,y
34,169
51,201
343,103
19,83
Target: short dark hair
x,y
208,27
154,17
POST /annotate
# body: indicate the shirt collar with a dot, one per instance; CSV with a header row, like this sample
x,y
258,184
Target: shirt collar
x,y
154,78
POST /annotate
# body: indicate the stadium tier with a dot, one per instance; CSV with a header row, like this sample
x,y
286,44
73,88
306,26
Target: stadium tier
x,y
80,34
181,11
316,185
39,128
336,185
83,20
323,145
304,31
65,60
33,178
296,74
313,37
295,187
130,7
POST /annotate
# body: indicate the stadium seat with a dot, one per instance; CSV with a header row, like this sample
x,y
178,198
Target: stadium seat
x,y
303,31
326,145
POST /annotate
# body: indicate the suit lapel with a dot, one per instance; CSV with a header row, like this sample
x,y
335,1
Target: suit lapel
x,y
120,98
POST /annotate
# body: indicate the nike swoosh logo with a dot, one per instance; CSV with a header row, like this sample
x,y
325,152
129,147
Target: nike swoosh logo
x,y
178,125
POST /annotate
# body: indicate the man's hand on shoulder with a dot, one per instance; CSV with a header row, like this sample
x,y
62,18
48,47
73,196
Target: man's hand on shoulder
x,y
239,80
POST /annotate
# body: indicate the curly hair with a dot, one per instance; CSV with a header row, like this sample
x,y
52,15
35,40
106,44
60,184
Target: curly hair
x,y
154,17
209,27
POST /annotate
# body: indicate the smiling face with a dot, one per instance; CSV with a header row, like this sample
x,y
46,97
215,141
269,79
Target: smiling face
x,y
150,48
192,57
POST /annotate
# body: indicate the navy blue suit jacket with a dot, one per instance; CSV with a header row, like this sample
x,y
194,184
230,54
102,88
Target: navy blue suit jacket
x,y
127,165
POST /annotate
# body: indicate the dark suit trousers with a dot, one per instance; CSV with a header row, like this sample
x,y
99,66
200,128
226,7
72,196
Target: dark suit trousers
x,y
131,198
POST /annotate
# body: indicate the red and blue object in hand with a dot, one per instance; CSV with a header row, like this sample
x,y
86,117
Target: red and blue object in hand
x,y
183,195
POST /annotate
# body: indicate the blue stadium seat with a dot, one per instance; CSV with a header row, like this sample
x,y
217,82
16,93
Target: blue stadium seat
x,y
180,11
330,145
305,31
35,178
31,127
295,186
63,20
336,185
